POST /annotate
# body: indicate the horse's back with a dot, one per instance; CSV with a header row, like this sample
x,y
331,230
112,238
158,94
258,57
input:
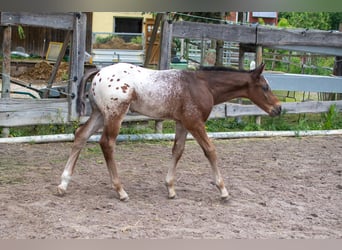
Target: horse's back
x,y
150,92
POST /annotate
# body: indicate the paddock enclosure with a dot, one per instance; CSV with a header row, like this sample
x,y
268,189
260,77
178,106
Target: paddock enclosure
x,y
280,188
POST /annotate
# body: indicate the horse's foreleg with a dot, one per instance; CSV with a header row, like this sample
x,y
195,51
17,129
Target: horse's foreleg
x,y
208,147
107,142
94,123
177,151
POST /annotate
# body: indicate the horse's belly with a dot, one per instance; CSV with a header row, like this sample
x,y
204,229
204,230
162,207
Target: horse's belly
x,y
148,109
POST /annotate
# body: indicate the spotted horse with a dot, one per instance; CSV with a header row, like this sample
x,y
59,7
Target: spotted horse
x,y
185,96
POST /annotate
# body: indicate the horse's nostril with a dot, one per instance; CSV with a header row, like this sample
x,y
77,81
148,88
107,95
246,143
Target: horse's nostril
x,y
276,110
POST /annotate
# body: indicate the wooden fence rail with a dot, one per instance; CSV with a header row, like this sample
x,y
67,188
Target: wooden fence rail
x,y
22,112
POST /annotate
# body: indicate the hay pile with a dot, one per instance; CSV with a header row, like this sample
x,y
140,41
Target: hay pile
x,y
42,71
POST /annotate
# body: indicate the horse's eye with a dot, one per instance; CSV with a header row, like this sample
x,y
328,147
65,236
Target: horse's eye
x,y
265,87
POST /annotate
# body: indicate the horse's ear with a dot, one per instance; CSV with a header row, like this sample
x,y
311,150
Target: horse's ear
x,y
258,71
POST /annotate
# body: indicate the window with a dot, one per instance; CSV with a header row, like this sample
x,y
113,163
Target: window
x,y
265,14
242,17
128,25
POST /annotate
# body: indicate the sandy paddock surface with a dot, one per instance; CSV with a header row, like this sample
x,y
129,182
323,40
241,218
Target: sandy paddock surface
x,y
280,188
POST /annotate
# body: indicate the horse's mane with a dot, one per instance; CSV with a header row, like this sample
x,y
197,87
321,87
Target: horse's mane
x,y
222,68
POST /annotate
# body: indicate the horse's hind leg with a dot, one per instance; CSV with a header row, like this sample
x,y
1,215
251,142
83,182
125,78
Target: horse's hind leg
x,y
199,133
107,142
177,151
94,123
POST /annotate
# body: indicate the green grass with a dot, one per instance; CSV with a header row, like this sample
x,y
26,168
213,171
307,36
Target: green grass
x,y
49,129
288,122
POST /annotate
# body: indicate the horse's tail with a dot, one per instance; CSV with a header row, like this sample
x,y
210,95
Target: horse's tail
x,y
80,102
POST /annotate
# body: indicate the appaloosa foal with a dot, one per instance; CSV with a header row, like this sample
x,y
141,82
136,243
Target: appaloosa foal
x,y
181,95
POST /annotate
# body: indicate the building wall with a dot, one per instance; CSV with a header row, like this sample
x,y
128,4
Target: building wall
x,y
104,21
270,18
233,17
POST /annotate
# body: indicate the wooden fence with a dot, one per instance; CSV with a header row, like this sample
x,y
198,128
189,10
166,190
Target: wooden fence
x,y
14,112
29,112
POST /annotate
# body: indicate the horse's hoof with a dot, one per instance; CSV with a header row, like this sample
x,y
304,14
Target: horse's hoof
x,y
124,199
61,191
226,198
172,194
172,197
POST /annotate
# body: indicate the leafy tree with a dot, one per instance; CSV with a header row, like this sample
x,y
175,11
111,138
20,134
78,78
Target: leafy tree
x,y
312,20
283,23
335,20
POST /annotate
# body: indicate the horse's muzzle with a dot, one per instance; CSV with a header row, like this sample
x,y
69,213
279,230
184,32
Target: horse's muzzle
x,y
276,110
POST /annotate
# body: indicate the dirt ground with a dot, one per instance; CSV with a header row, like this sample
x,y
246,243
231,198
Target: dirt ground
x,y
280,188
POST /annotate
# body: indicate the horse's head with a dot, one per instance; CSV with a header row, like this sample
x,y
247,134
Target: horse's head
x,y
260,92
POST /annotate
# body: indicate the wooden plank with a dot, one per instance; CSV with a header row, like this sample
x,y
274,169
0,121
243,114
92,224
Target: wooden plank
x,y
338,61
152,39
21,112
165,44
330,51
261,35
301,82
6,62
105,57
6,70
57,64
218,111
258,55
76,62
226,32
51,20
268,36
310,107
234,110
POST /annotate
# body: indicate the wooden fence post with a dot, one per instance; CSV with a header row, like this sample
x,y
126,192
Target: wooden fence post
x,y
6,69
165,43
165,55
76,61
338,67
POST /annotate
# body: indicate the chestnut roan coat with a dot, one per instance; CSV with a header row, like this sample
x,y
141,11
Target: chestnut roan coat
x,y
181,95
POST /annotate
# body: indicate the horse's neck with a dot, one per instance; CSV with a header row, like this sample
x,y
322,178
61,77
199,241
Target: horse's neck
x,y
227,86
